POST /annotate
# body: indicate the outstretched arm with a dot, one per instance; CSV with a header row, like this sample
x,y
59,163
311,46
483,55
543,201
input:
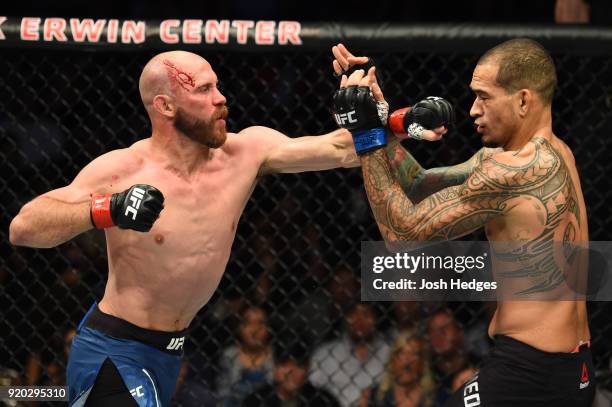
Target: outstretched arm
x,y
282,154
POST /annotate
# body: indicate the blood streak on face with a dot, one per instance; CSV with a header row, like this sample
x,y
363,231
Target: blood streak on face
x,y
178,76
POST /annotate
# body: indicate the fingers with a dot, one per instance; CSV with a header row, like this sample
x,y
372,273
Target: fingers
x,y
373,84
442,130
435,134
355,78
357,60
340,57
343,81
337,68
430,135
343,59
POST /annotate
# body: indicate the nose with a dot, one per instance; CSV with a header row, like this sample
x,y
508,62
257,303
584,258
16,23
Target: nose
x,y
219,99
475,110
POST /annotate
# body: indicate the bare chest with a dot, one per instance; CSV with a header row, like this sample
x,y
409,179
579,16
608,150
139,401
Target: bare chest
x,y
200,213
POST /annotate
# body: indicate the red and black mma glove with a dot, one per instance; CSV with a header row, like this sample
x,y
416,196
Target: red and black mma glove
x,y
136,208
428,114
356,110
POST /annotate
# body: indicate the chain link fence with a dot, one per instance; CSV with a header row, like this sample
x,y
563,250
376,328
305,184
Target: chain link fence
x,y
294,273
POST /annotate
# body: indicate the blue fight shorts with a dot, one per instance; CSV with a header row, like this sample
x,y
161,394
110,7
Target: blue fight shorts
x,y
148,361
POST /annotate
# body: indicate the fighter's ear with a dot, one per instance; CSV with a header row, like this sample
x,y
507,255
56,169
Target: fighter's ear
x,y
164,105
525,99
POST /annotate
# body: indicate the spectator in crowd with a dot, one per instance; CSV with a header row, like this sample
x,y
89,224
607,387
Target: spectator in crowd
x,y
407,381
349,365
322,312
448,357
47,367
408,316
191,391
596,12
248,364
291,387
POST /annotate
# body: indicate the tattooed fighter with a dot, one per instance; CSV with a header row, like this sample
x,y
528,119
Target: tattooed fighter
x,y
525,190
128,347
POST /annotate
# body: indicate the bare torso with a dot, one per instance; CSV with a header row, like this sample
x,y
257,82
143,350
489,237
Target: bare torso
x,y
549,207
160,279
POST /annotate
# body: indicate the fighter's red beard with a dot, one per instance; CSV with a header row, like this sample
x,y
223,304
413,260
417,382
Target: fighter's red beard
x,y
202,131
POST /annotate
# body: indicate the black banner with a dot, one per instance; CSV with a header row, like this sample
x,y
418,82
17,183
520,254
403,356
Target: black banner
x,y
266,35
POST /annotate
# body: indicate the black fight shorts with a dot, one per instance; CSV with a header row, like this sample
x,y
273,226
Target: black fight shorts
x,y
519,375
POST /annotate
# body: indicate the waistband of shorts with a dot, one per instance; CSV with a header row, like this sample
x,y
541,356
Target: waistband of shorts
x,y
503,342
169,342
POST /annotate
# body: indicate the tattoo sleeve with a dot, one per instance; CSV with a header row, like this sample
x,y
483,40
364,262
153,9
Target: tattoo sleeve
x,y
418,183
448,214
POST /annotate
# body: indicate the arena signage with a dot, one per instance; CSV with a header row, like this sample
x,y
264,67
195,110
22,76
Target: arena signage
x,y
173,31
92,34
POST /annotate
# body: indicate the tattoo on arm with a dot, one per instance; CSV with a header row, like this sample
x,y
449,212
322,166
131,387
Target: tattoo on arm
x,y
458,210
447,214
418,183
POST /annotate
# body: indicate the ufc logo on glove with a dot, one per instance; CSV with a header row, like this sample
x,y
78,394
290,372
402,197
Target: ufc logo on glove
x,y
135,199
344,118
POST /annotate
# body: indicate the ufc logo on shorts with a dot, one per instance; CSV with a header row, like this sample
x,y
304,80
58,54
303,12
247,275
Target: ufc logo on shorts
x,y
136,198
176,343
137,392
344,118
471,398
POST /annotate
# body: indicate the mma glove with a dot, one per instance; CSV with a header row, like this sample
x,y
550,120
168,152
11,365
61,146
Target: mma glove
x,y
136,208
428,114
356,110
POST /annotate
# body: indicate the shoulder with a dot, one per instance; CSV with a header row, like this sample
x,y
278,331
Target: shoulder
x,y
261,136
129,159
527,168
254,138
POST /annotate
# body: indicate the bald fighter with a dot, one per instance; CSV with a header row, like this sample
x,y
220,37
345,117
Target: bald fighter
x,y
169,205
525,191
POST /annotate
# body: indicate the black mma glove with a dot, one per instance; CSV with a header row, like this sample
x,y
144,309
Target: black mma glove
x,y
136,208
428,114
356,110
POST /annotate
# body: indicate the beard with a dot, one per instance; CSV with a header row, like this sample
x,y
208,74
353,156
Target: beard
x,y
202,131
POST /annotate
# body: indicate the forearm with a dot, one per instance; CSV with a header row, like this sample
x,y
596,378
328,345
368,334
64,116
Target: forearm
x,y
46,222
390,205
419,183
406,169
342,150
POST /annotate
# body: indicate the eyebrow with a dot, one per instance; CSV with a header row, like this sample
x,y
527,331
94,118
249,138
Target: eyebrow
x,y
207,84
479,91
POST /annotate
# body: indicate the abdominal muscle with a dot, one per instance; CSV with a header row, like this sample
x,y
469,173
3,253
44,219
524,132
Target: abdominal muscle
x,y
162,288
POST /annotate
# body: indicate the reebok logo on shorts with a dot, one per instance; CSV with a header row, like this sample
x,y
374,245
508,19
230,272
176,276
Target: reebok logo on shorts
x,y
584,378
176,343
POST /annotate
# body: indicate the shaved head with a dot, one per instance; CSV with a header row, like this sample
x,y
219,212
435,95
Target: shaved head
x,y
180,88
168,73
